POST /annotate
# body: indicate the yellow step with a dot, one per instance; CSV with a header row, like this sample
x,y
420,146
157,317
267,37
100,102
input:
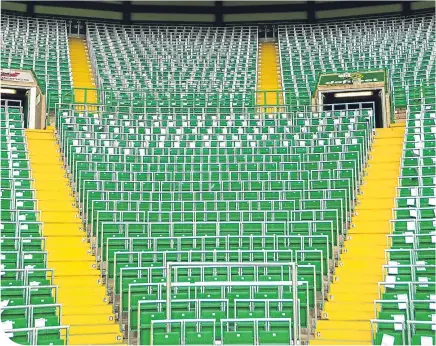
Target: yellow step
x,y
44,167
96,339
39,134
85,284
353,255
343,285
79,309
370,227
89,282
88,319
62,216
339,311
345,334
74,269
81,70
365,241
65,254
386,169
58,204
84,301
362,251
322,341
375,214
88,297
70,229
340,325
366,202
388,144
351,297
268,74
348,260
51,188
64,229
65,244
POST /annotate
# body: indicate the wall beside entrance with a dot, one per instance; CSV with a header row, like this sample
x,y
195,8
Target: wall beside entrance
x,y
14,82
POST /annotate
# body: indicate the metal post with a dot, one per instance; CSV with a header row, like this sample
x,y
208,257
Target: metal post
x,y
168,290
295,297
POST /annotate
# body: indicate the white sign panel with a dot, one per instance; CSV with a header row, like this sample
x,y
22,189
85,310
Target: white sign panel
x,y
8,75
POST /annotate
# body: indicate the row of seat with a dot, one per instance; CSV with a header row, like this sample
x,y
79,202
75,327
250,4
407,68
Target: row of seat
x,y
276,201
30,313
183,59
40,45
214,292
405,46
405,309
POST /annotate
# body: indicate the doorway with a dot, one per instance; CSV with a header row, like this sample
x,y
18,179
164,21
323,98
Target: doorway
x,y
21,95
342,100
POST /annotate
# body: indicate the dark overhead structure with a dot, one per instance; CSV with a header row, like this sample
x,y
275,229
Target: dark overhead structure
x,y
216,12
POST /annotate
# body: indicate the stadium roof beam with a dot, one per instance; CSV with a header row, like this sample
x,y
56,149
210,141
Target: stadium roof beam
x,y
173,9
30,9
407,8
127,13
264,8
219,17
339,5
218,12
311,12
90,5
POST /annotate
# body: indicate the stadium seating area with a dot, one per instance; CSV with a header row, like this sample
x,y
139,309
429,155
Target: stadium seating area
x,y
236,188
178,67
29,310
407,295
405,46
40,45
209,219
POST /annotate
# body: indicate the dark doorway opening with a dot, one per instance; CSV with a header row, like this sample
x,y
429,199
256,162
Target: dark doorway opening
x,y
19,95
371,101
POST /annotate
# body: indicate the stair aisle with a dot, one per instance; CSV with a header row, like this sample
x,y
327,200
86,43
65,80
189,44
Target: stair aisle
x,y
84,302
82,71
346,316
269,78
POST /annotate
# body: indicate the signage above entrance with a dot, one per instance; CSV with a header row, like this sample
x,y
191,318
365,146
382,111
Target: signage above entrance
x,y
352,78
20,76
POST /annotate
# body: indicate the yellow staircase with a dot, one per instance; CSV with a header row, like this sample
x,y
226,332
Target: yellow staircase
x,y
350,305
268,78
84,302
82,71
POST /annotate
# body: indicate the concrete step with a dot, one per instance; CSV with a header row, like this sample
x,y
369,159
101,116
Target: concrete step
x,y
96,339
340,311
94,319
87,298
349,335
64,229
366,203
89,283
68,217
324,341
375,214
73,268
369,227
346,287
341,325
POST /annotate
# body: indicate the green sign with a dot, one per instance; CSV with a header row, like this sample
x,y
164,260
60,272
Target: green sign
x,y
352,78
